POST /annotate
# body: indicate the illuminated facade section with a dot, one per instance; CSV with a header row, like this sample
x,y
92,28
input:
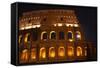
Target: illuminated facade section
x,y
33,53
25,55
52,52
42,54
27,38
78,35
61,51
79,51
70,51
52,35
20,39
57,35
44,35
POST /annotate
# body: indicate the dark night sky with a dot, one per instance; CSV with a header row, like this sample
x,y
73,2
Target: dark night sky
x,y
87,16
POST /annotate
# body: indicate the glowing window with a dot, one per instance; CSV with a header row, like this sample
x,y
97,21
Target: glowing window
x,y
70,51
33,53
61,35
52,35
52,52
27,37
20,39
24,55
42,53
44,35
79,51
78,35
61,51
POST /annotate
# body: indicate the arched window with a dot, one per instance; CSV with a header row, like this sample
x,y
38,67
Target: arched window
x,y
61,35
79,51
20,39
27,37
24,55
70,36
61,51
52,35
78,35
52,52
70,51
42,52
33,53
44,35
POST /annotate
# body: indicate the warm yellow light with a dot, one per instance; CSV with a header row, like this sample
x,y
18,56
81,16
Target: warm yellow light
x,y
55,25
71,40
42,53
75,25
61,51
34,26
79,51
38,26
33,54
69,25
52,52
42,35
22,28
26,37
60,24
51,33
20,38
70,51
24,55
28,27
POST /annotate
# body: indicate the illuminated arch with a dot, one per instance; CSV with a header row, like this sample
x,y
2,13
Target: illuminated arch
x,y
78,35
52,52
70,51
24,55
52,35
27,37
61,51
79,51
33,53
70,36
42,53
43,35
20,39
